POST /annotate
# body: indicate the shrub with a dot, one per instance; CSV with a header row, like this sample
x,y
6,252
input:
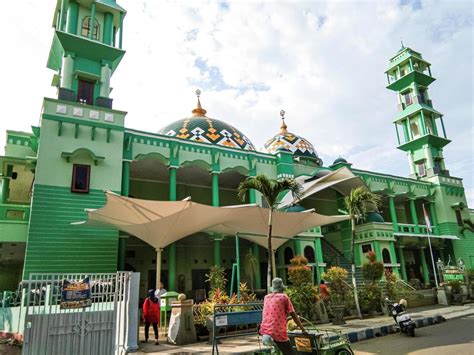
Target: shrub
x,y
373,270
301,292
216,278
336,277
455,287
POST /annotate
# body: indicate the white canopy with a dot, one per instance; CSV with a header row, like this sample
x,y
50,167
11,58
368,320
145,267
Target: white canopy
x,y
160,223
341,180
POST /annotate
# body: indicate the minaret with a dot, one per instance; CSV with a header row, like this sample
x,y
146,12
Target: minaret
x,y
420,128
86,49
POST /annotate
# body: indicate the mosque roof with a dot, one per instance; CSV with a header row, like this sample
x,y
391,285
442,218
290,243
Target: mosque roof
x,y
290,142
200,128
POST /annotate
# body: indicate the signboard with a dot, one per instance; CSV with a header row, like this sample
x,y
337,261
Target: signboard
x,y
221,321
75,294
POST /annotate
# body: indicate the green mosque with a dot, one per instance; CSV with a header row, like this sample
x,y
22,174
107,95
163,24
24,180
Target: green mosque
x,y
82,147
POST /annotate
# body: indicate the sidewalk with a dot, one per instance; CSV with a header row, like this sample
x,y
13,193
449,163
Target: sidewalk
x,y
356,330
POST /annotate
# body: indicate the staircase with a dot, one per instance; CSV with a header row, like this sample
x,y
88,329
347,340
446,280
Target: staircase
x,y
334,257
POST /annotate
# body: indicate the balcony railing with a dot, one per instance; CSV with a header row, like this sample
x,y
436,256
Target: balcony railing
x,y
386,229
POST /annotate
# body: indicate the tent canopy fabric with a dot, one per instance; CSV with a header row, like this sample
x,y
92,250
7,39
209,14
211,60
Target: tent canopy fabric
x,y
342,180
160,223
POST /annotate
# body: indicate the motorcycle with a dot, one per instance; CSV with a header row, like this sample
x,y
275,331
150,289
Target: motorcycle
x,y
401,317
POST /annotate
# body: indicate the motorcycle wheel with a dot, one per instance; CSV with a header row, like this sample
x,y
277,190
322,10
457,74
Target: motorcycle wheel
x,y
412,331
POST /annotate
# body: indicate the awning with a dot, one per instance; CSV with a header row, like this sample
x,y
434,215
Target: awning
x,y
342,180
160,223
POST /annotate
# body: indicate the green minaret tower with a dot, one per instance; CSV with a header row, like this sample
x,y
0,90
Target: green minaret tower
x,y
86,49
420,128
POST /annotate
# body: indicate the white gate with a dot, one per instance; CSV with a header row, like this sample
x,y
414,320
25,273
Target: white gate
x,y
104,328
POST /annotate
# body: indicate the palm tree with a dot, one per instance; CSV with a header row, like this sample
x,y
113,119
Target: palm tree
x,y
270,190
356,204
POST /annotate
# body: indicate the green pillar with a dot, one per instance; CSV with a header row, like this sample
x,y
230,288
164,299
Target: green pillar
x,y
434,219
298,247
421,120
357,254
92,23
172,267
121,30
377,250
215,189
5,190
393,257
256,253
172,183
125,178
72,15
318,252
393,212
414,216
108,28
172,247
424,267
62,15
402,263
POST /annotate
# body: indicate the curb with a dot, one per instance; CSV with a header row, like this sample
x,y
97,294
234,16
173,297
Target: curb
x,y
372,332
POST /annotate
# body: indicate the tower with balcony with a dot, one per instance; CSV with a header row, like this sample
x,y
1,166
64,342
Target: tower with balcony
x,y
419,127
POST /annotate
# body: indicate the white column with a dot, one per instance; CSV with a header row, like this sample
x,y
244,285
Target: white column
x,y
66,72
158,267
411,163
105,74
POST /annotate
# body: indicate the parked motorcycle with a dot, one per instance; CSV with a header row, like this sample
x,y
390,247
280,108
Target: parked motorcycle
x,y
401,317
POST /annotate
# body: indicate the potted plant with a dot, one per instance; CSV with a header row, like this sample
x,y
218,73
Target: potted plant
x,y
373,271
339,291
456,291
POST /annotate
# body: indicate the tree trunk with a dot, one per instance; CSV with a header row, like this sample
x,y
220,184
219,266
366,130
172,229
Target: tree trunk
x,y
270,251
354,283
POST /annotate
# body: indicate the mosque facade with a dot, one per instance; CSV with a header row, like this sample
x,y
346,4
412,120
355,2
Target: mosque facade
x,y
82,147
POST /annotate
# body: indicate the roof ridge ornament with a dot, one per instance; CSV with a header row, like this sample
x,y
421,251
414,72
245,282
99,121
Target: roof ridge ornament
x,y
283,127
199,111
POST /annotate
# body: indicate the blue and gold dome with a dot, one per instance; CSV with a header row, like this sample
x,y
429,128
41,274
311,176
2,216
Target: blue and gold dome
x,y
200,128
290,142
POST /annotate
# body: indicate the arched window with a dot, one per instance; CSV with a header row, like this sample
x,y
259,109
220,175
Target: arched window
x,y
86,25
386,256
309,254
288,255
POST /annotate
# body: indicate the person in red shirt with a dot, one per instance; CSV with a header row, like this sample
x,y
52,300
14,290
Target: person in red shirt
x,y
151,314
276,308
324,291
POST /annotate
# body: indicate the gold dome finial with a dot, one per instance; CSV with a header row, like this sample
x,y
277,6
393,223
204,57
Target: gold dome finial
x,y
199,111
283,126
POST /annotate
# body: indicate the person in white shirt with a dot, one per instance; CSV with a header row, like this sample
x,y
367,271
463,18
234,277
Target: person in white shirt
x,y
160,291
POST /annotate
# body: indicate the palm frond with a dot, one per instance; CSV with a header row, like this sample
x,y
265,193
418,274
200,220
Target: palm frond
x,y
358,202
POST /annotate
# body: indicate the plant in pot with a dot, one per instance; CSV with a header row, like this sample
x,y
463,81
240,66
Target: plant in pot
x,y
302,293
456,291
373,271
336,276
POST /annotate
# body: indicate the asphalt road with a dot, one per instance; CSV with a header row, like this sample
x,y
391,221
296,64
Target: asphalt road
x,y
454,337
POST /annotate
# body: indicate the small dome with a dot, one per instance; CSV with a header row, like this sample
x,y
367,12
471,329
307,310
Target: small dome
x,y
374,217
340,160
200,128
290,142
295,208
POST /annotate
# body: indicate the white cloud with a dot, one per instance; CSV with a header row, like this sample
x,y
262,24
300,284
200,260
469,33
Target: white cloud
x,y
322,62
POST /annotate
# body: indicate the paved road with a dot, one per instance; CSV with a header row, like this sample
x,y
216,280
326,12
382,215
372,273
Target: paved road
x,y
455,337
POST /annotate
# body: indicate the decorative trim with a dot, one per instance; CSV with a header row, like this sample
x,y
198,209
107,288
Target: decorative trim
x,y
70,155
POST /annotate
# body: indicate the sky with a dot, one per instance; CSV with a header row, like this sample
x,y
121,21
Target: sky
x,y
322,62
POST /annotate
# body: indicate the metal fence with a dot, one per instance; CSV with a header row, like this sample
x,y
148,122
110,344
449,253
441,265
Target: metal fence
x,y
101,328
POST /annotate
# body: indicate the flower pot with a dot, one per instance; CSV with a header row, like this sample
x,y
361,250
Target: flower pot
x,y
457,298
338,314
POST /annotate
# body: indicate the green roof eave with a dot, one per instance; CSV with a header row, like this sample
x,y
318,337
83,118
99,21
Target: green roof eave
x,y
419,142
404,55
412,109
66,42
413,76
111,4
90,153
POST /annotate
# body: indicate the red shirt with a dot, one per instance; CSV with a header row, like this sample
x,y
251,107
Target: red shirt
x,y
151,311
276,308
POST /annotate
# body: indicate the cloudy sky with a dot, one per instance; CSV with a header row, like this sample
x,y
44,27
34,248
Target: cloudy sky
x,y
322,62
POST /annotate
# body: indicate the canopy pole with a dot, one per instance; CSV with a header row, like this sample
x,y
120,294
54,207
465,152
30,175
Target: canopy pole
x,y
158,268
237,259
272,255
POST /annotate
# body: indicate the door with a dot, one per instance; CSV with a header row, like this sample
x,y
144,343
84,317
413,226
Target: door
x,y
85,92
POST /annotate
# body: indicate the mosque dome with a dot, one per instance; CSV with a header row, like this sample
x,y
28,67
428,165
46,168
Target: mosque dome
x,y
200,128
290,142
374,217
340,160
